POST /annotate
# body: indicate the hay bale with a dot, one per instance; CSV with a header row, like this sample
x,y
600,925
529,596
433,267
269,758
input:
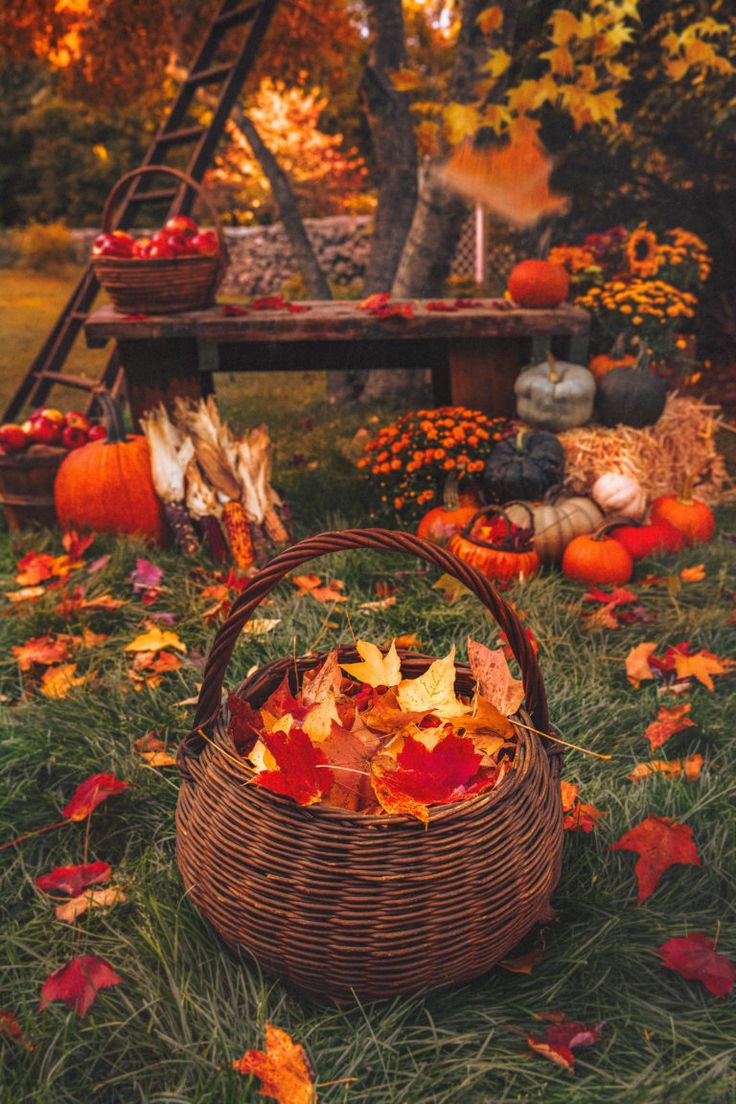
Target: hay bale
x,y
661,457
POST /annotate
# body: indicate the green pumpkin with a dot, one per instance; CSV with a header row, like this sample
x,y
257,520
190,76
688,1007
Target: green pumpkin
x,y
524,466
555,395
630,396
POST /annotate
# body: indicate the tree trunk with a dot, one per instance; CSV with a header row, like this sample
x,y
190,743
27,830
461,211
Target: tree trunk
x,y
285,199
439,215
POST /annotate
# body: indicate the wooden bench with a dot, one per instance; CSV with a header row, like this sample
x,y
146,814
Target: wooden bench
x,y
474,353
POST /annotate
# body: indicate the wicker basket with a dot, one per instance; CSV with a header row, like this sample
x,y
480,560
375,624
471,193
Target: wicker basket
x,y
353,907
160,285
27,486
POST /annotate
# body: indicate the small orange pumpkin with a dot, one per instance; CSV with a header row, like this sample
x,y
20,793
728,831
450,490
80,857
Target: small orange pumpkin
x,y
500,550
106,486
693,518
457,509
539,284
597,558
604,363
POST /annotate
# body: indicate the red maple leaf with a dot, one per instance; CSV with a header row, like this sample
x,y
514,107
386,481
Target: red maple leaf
x,y
34,568
71,880
302,773
283,1069
77,983
74,545
440,306
660,842
91,793
282,701
44,650
269,302
560,1039
378,299
448,772
619,596
582,818
670,719
232,310
695,958
245,723
11,1029
393,310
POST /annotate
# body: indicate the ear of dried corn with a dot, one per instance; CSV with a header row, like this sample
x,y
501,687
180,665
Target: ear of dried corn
x,y
170,453
238,535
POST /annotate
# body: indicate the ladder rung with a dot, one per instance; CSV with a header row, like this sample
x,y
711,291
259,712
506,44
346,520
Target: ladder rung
x,y
179,137
81,383
209,76
237,16
155,196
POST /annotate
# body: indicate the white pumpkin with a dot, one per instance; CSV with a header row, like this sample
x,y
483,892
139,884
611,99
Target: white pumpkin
x,y
620,494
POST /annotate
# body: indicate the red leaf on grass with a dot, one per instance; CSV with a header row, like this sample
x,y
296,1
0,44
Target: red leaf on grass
x,y
670,719
695,958
78,983
11,1029
560,1039
46,649
423,777
146,575
660,842
283,1068
619,596
35,567
91,793
74,544
71,880
582,818
302,773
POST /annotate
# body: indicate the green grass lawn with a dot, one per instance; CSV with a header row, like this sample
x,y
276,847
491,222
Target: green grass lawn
x,y
186,1006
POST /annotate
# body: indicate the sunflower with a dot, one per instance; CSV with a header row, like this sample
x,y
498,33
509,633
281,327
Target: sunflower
x,y
642,251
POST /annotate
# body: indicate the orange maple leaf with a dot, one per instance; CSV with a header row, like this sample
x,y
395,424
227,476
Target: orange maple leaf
x,y
582,818
58,682
660,842
46,649
569,794
693,574
672,768
283,1068
637,663
670,719
701,666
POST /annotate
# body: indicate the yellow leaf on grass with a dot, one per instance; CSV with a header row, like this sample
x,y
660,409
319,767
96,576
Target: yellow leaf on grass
x,y
25,594
90,899
376,669
159,758
57,682
701,666
155,640
259,626
694,574
637,663
490,19
434,691
451,588
690,767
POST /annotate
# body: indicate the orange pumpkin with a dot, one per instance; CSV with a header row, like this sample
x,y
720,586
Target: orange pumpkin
x,y
693,518
457,509
597,558
539,284
500,550
106,486
604,363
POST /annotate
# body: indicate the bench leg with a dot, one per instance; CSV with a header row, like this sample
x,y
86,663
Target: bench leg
x,y
483,372
158,371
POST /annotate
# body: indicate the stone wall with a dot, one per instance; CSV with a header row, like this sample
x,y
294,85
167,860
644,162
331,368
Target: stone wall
x,y
261,260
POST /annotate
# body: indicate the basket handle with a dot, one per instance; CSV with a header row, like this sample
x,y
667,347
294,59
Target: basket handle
x,y
118,188
385,540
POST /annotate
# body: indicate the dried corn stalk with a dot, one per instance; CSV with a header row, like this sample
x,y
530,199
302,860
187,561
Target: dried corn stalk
x,y
202,504
171,452
661,457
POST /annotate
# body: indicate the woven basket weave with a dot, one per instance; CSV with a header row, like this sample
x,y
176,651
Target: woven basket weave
x,y
347,906
160,285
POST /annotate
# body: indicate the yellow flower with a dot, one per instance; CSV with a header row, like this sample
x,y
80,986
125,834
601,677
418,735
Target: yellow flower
x,y
642,251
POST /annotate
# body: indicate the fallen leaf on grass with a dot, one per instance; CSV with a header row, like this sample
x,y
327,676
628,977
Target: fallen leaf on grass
x,y
71,880
92,899
78,982
376,669
379,603
619,596
283,1068
693,574
569,792
408,641
694,957
34,567
670,719
155,640
312,585
582,818
58,682
451,588
495,682
77,600
702,666
153,751
74,544
259,626
660,842
672,583
637,663
46,649
673,768
25,594
146,575
525,963
11,1029
560,1039
91,793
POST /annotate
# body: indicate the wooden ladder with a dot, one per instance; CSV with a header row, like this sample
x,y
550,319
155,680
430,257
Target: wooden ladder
x,y
250,19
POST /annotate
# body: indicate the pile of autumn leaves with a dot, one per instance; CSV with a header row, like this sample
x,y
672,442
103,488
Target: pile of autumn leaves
x,y
361,737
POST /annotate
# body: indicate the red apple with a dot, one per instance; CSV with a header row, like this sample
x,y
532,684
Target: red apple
x,y
108,245
141,246
160,250
97,433
181,224
123,237
73,437
206,242
181,246
13,437
78,421
160,236
43,431
49,412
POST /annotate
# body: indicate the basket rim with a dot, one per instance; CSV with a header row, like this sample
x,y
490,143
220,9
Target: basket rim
x,y
157,262
528,744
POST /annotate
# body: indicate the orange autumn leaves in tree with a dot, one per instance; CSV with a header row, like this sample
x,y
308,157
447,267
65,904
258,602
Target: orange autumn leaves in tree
x,y
360,736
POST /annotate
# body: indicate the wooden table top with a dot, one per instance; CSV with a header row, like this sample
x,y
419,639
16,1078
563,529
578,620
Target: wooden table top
x,y
338,320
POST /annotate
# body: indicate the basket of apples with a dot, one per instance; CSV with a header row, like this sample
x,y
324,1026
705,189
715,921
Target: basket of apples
x,y
30,455
178,268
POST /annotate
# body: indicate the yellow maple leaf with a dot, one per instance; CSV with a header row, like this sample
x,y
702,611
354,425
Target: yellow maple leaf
x,y
92,898
701,666
490,19
498,62
529,95
618,70
376,669
57,682
404,80
496,116
461,121
637,663
560,60
319,720
156,640
434,691
565,26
